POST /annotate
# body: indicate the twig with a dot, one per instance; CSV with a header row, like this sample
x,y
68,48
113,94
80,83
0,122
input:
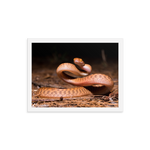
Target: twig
x,y
104,57
58,99
42,85
43,100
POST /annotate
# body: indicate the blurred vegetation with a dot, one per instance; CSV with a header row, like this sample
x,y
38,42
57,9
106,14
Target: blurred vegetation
x,y
57,57
104,60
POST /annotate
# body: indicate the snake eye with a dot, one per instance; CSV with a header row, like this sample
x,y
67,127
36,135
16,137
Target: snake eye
x,y
79,62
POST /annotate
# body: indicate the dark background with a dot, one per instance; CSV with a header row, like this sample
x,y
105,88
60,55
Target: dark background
x,y
56,53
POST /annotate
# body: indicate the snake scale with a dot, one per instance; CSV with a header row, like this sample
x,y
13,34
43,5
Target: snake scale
x,y
87,84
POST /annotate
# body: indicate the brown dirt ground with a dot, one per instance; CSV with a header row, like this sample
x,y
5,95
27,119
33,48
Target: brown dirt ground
x,y
43,75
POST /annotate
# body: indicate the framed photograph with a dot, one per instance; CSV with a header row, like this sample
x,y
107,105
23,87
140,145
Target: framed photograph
x,y
75,75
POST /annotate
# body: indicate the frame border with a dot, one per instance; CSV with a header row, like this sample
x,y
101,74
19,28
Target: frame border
x,y
26,45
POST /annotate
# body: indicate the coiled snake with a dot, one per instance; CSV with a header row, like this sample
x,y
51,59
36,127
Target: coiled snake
x,y
93,84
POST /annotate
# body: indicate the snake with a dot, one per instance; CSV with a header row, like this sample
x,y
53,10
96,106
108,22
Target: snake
x,y
80,76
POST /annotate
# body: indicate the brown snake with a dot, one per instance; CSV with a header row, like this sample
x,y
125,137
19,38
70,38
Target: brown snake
x,y
93,84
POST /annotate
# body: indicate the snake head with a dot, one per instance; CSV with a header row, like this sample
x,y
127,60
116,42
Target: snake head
x,y
79,62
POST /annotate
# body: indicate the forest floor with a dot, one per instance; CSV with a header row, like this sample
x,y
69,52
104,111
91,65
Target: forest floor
x,y
45,76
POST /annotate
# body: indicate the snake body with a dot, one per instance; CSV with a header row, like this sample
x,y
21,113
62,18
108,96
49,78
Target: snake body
x,y
93,84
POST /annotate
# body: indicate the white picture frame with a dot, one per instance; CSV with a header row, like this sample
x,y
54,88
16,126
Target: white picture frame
x,y
121,40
